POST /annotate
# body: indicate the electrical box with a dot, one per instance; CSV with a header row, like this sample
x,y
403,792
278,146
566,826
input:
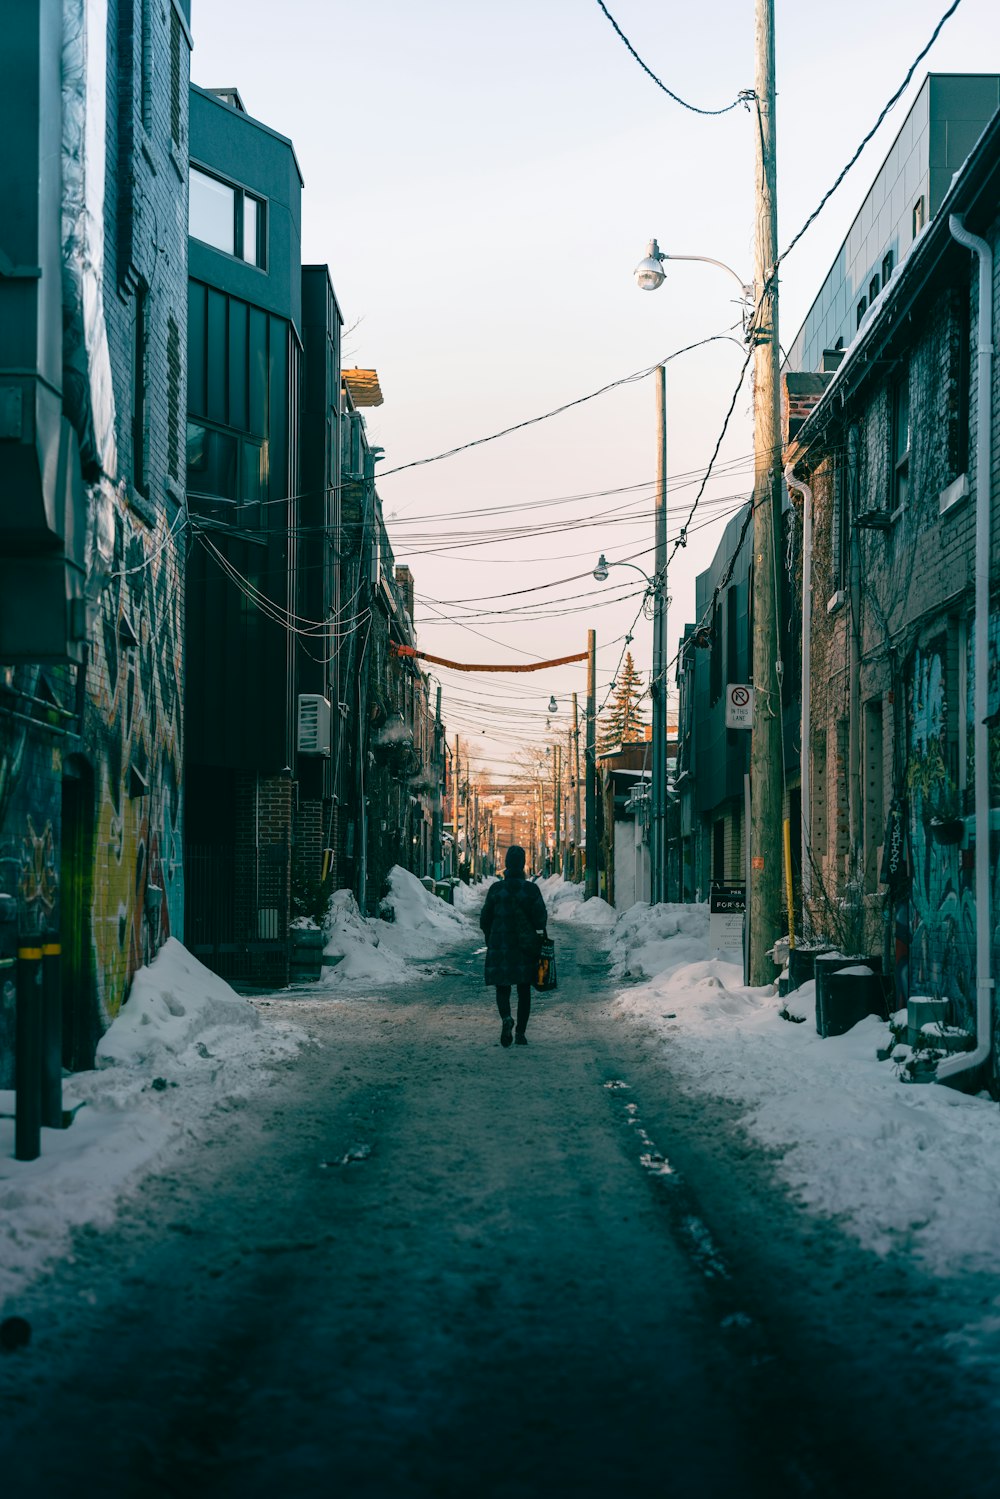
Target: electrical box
x,y
314,725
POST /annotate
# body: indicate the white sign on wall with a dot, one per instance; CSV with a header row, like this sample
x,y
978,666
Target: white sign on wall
x,y
739,706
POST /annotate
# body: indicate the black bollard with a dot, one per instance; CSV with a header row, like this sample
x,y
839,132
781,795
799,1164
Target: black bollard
x,y
28,1060
51,1082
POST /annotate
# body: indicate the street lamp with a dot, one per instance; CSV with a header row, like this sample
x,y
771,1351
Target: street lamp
x,y
650,274
553,705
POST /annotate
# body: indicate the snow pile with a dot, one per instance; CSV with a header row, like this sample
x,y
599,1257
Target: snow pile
x,y
564,901
469,898
413,924
428,922
358,945
176,1009
904,1166
184,1045
647,940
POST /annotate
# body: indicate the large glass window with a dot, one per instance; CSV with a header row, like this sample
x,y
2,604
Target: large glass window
x,y
225,465
213,212
228,218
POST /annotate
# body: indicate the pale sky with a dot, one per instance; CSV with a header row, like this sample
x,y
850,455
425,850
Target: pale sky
x,y
481,178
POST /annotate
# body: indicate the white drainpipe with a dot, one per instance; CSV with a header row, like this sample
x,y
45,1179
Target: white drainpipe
x,y
981,788
806,731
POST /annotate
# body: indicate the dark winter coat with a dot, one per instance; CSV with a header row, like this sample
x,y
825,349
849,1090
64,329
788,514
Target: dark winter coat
x,y
512,917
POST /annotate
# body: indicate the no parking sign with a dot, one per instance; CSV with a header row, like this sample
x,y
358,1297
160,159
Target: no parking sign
x,y
739,706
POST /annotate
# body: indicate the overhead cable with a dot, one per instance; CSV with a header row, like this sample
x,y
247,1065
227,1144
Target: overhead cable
x,y
557,411
741,98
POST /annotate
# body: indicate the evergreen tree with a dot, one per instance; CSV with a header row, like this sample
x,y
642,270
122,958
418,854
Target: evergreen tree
x,y
623,722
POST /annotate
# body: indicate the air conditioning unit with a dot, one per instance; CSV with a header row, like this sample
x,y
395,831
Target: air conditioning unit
x,y
314,724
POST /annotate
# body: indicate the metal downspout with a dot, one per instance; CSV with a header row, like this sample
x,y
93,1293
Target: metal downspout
x,y
805,765
981,788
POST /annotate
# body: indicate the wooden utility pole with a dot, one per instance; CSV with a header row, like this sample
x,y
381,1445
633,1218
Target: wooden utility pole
x,y
557,809
658,682
577,820
456,772
567,867
766,780
437,849
543,842
590,754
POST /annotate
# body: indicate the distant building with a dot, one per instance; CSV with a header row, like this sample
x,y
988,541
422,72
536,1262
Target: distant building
x,y
712,760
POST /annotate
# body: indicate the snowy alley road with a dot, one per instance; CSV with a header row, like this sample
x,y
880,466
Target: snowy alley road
x,y
418,1265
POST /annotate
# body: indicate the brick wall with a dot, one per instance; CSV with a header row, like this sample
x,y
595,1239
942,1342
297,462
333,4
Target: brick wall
x,y
891,666
263,873
133,728
120,740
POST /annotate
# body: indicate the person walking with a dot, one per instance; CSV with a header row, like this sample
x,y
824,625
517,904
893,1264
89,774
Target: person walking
x,y
513,919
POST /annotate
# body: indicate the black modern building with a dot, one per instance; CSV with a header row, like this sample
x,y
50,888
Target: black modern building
x,y
245,358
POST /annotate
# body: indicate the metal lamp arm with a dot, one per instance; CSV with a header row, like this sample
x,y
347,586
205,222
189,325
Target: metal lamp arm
x,y
650,582
746,290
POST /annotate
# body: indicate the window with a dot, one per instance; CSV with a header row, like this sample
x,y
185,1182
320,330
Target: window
x,y
818,826
901,441
962,382
227,218
175,78
732,636
887,268
173,396
715,656
862,309
140,380
225,465
841,799
719,850
874,806
873,290
840,342
919,216
146,66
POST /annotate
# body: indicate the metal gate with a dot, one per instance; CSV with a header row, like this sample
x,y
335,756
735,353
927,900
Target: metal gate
x,y
236,918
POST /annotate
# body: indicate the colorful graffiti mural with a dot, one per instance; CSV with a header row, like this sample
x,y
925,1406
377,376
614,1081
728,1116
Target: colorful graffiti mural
x,y
941,910
135,716
30,772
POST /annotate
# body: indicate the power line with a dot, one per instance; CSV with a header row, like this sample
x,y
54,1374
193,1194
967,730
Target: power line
x,y
682,536
741,98
557,411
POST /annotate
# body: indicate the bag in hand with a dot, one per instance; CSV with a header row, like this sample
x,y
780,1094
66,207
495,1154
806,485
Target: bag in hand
x,y
545,970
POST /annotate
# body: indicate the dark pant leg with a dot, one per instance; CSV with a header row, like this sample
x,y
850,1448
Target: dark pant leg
x,y
503,1000
523,1006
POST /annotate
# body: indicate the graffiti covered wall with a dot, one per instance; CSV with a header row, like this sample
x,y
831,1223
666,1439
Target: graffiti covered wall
x,y
941,941
133,727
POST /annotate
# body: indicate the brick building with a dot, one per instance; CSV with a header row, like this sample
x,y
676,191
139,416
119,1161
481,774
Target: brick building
x,y
92,376
889,453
